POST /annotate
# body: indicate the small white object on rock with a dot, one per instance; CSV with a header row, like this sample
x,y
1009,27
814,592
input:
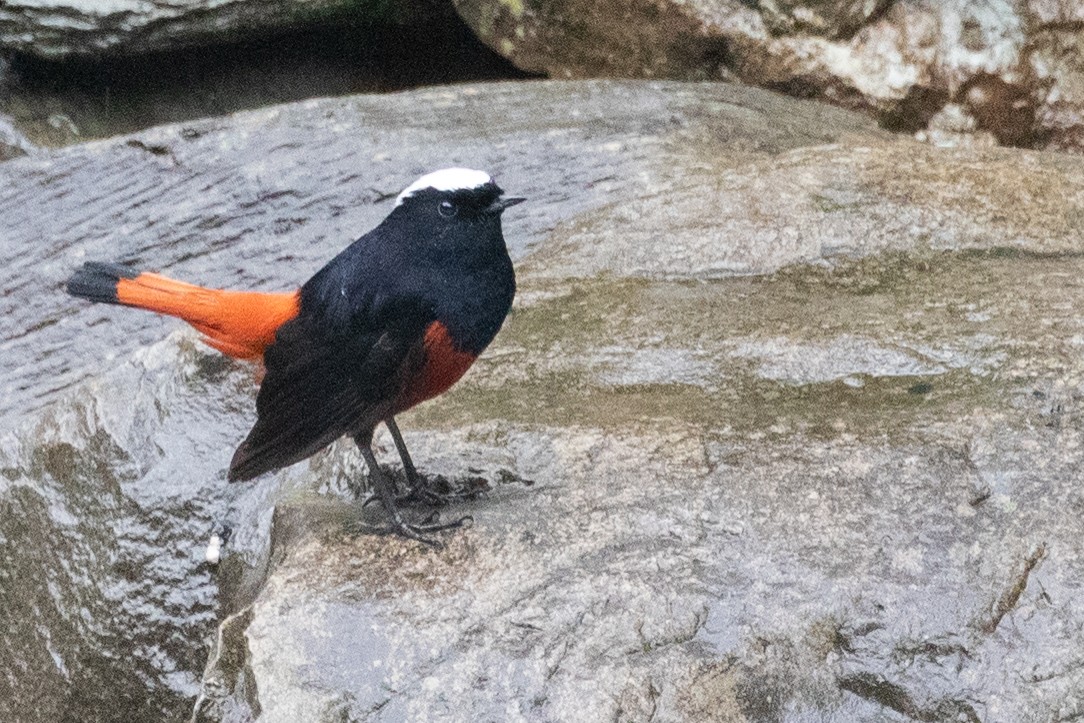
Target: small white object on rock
x,y
214,550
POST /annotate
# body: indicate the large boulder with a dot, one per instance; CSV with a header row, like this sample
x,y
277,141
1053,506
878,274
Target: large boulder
x,y
785,422
959,71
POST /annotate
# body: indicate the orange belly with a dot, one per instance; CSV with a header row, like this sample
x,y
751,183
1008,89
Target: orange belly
x,y
444,365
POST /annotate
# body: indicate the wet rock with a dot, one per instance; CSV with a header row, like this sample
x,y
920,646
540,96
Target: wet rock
x,y
180,198
1013,65
785,423
113,456
86,27
105,595
748,540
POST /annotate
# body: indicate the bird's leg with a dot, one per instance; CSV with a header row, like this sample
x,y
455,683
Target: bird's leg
x,y
413,481
386,492
418,489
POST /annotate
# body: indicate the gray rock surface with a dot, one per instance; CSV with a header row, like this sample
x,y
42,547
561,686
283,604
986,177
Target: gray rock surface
x,y
57,29
785,425
1013,67
308,177
13,142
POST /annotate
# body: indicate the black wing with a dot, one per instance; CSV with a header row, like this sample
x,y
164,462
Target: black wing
x,y
327,377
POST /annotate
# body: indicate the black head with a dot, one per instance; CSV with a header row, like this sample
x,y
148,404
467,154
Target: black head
x,y
453,197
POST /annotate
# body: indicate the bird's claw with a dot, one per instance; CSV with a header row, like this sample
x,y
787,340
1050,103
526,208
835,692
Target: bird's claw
x,y
425,495
418,496
418,532
386,491
423,492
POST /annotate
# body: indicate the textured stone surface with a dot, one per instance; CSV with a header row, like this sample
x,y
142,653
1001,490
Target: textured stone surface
x,y
303,179
1012,66
13,142
785,424
60,28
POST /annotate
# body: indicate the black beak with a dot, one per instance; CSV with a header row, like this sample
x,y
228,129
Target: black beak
x,y
502,203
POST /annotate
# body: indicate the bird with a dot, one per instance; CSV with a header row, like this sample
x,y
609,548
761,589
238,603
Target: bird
x,y
395,319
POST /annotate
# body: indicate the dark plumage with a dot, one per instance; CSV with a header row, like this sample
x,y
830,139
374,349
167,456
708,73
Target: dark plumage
x,y
396,318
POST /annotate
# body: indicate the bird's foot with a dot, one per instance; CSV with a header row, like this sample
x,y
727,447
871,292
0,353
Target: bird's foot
x,y
386,491
398,526
437,491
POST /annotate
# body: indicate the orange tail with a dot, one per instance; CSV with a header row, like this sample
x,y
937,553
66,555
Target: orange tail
x,y
241,324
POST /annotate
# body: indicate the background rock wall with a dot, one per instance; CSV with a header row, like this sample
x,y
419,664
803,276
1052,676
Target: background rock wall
x,y
61,28
1011,70
959,71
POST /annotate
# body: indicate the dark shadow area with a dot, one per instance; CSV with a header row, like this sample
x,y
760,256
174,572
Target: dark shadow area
x,y
56,103
914,112
1008,111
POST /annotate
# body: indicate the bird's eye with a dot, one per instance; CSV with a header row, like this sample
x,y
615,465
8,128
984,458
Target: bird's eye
x,y
447,209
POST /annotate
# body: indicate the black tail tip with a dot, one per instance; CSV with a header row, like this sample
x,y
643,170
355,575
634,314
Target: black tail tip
x,y
97,281
242,466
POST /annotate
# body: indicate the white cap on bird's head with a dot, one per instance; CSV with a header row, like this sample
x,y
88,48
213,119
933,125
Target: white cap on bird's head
x,y
446,179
